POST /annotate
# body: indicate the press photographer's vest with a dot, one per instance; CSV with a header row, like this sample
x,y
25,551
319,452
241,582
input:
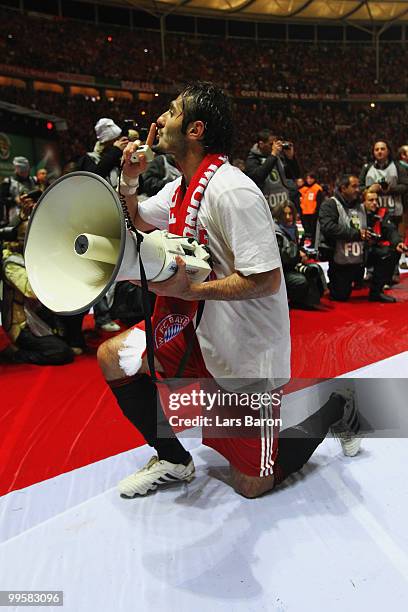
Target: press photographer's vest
x,y
350,253
390,174
274,188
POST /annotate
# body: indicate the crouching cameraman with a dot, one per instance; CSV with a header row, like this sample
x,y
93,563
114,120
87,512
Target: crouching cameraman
x,y
384,246
33,341
305,283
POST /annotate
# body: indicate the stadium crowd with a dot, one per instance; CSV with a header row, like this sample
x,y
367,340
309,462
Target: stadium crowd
x,y
59,45
343,128
65,46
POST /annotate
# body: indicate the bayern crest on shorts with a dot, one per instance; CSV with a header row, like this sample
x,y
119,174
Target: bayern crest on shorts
x,y
169,327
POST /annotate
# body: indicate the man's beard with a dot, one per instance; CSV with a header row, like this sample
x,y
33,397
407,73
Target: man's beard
x,y
176,145
156,149
351,203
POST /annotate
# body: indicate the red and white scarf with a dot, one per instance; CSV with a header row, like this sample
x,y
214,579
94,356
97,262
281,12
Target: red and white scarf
x,y
172,315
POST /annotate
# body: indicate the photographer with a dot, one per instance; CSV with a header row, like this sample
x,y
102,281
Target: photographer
x,y
13,187
105,158
343,227
272,165
384,246
305,283
23,317
387,178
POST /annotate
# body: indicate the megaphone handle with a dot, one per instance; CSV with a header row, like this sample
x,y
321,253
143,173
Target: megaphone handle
x,y
125,210
145,289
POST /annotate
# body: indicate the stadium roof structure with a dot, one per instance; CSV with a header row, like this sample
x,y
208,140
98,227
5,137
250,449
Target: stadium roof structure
x,y
312,11
15,109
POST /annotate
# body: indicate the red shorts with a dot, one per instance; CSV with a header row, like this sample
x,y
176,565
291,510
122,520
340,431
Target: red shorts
x,y
254,456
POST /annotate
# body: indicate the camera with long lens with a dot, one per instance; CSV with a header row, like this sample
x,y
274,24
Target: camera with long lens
x,y
373,236
309,271
286,145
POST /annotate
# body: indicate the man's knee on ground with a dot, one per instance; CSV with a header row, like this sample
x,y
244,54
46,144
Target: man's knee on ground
x,y
250,486
247,490
251,490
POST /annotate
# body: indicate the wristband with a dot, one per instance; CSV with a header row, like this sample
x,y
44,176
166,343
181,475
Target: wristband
x,y
129,186
128,180
125,190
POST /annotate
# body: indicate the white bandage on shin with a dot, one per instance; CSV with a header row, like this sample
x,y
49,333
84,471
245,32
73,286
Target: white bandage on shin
x,y
130,355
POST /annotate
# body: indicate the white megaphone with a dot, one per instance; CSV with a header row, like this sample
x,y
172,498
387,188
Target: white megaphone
x,y
77,246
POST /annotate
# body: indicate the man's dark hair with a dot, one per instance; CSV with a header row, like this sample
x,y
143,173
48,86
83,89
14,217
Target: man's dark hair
x,y
264,135
312,175
344,180
206,102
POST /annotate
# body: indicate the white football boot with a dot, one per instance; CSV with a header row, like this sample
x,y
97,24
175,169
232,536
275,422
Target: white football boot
x,y
155,473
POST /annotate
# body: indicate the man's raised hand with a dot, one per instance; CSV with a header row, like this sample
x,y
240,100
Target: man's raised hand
x,y
132,169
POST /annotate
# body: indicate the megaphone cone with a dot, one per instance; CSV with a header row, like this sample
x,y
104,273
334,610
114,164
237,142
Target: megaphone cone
x,y
77,246
75,204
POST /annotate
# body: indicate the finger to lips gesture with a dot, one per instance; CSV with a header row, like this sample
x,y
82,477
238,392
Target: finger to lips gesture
x,y
132,169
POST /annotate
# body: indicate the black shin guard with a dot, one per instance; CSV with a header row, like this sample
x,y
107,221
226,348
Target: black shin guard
x,y
138,399
297,444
